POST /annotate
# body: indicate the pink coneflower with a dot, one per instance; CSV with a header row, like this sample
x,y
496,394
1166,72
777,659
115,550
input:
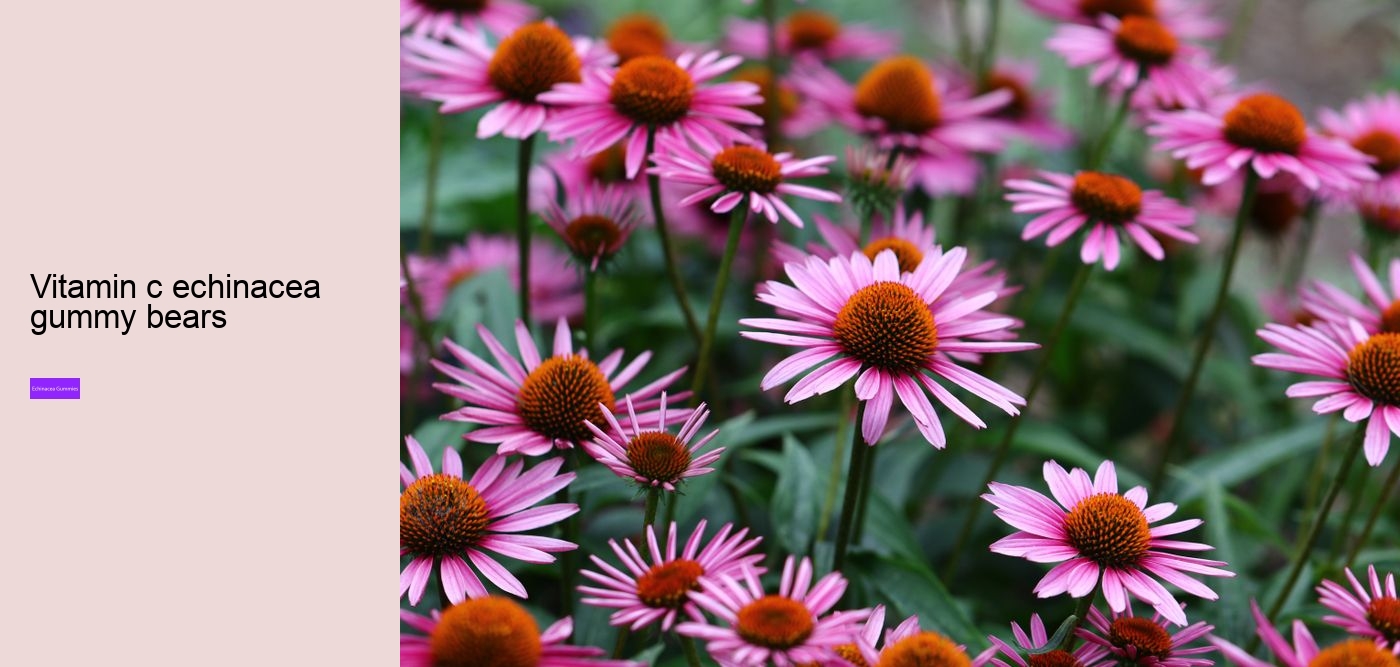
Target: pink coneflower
x,y
594,224
787,628
1030,113
637,35
562,176
734,174
546,403
673,96
1279,203
876,180
798,115
493,631
466,73
1145,642
445,520
1264,132
1136,51
900,105
1363,379
812,34
1108,204
895,330
1033,645
1096,531
434,18
654,458
906,234
664,588
555,289
1381,315
1188,18
1305,652
1379,208
1372,126
1373,612
907,644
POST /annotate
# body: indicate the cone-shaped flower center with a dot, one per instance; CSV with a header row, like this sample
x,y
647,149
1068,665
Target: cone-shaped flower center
x,y
1382,145
666,585
1373,368
1354,653
908,254
1106,197
463,6
775,622
1274,212
1119,8
1056,658
1109,530
747,169
1266,123
925,649
592,235
1384,615
1145,40
561,393
637,35
1390,317
887,325
900,91
1142,634
657,455
851,653
808,29
1021,100
531,60
609,165
653,90
486,632
440,514
759,76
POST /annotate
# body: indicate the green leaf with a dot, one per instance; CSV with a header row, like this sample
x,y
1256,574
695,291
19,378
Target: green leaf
x,y
1238,463
1233,617
794,506
734,435
1053,442
888,527
914,589
487,299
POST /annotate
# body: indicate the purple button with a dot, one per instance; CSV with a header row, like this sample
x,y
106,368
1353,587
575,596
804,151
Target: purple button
x,y
54,388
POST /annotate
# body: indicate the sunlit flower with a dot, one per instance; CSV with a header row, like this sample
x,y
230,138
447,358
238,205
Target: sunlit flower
x,y
1033,646
1136,50
1305,652
1097,534
1108,204
787,628
676,97
445,521
907,644
594,224
664,588
1363,378
813,34
1262,132
743,175
1365,612
555,289
434,18
1188,18
891,331
653,457
1381,312
546,403
1145,642
467,73
1372,126
493,631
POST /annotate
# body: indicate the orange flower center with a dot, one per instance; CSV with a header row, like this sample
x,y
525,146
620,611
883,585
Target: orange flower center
x,y
1274,212
908,254
1142,634
775,622
460,6
560,394
531,60
1109,530
1056,658
1373,368
747,169
851,653
486,632
1118,8
808,29
637,35
900,91
1354,653
1390,317
666,585
593,235
658,455
1382,216
1384,615
1266,123
1021,100
925,649
1106,197
1145,40
653,90
1382,145
888,326
439,515
761,77
609,165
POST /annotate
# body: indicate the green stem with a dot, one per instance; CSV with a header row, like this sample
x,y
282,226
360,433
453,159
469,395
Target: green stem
x,y
867,470
848,506
833,481
989,41
522,222
771,109
1300,254
436,129
590,312
653,498
692,655
1319,467
1076,288
667,251
1222,293
962,32
1358,496
1381,504
1081,611
707,343
620,646
1105,144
